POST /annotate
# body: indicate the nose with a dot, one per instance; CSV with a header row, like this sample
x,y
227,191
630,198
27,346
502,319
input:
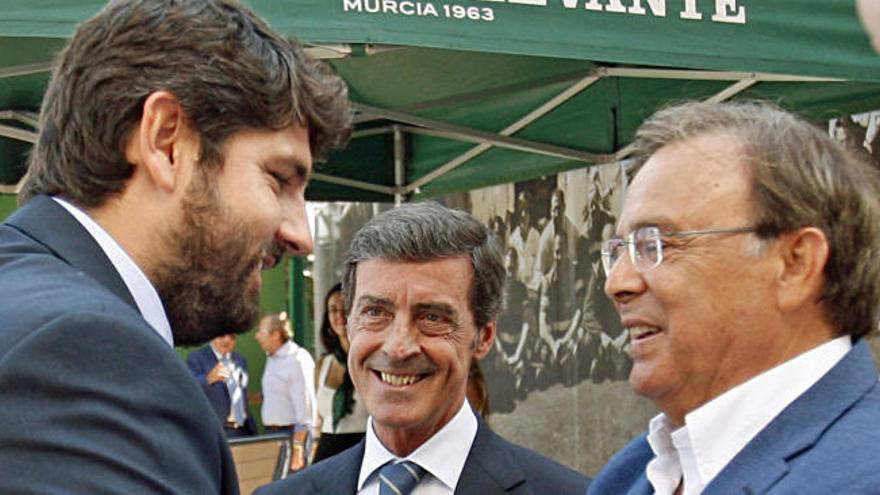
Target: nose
x,y
294,233
401,340
623,282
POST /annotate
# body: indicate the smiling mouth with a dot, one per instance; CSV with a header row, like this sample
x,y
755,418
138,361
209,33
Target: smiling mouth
x,y
398,380
641,332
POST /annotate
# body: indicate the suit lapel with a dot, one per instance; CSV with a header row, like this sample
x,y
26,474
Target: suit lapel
x,y
765,460
50,224
345,470
626,472
489,468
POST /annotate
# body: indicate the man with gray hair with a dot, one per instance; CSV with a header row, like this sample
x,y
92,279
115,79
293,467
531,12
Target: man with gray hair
x,y
746,269
289,403
423,287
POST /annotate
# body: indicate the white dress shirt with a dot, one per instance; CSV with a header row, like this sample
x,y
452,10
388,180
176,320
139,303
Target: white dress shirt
x,y
442,456
717,431
288,388
142,291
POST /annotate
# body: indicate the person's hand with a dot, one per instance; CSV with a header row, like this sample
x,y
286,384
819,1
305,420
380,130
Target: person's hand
x,y
298,459
218,373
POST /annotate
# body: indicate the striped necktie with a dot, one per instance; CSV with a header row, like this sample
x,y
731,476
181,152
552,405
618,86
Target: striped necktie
x,y
400,478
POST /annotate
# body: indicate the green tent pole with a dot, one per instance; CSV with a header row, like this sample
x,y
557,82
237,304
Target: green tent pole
x,y
303,336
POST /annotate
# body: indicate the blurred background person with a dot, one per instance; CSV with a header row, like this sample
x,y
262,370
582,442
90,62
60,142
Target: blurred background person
x,y
288,394
342,416
223,375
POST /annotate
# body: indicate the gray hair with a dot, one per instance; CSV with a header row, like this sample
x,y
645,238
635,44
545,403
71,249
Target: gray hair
x,y
800,177
280,323
429,231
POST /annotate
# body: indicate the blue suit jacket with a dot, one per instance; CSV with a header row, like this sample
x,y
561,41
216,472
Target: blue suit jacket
x,y
92,400
494,466
827,441
200,363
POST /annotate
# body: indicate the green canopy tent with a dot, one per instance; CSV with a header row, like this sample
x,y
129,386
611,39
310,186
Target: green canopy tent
x,y
458,94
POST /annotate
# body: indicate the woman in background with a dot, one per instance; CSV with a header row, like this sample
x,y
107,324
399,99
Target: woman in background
x,y
342,415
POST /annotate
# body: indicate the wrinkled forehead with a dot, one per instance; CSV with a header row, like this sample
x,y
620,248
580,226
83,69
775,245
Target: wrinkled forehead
x,y
696,183
444,278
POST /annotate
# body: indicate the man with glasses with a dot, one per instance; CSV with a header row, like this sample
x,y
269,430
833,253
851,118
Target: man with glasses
x,y
746,269
423,287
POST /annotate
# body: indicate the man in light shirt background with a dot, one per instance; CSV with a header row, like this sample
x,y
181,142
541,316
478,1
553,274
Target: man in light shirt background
x,y
289,404
746,269
423,287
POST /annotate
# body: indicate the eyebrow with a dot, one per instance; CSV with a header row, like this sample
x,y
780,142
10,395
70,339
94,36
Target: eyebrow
x,y
442,308
664,223
375,301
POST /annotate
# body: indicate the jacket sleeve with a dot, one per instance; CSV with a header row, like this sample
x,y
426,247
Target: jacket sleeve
x,y
198,367
97,403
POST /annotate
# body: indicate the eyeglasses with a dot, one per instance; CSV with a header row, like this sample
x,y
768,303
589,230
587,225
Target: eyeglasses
x,y
646,246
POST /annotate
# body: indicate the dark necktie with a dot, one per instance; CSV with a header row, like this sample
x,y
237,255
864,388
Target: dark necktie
x,y
400,478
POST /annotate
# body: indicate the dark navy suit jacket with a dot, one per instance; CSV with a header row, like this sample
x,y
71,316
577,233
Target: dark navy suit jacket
x,y
92,400
200,363
493,466
827,441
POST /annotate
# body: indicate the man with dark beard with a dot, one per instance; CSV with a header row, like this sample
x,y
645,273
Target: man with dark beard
x,y
176,141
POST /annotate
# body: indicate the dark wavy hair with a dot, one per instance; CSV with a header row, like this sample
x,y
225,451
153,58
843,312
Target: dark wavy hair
x,y
329,339
227,68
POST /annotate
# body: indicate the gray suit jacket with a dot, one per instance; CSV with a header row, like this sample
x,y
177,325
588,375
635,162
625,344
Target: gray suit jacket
x,y
493,466
92,400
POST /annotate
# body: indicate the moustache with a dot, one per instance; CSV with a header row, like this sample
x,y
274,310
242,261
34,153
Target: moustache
x,y
418,364
270,255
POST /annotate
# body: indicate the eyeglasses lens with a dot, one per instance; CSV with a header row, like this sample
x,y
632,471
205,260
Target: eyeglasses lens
x,y
611,250
647,250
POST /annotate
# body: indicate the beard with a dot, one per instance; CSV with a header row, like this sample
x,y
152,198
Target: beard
x,y
206,283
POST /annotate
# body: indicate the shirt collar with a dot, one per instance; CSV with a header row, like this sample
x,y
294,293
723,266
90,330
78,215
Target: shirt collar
x,y
216,352
717,431
286,349
145,296
443,455
664,470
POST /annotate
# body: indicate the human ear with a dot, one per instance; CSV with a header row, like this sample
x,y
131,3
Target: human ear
x,y
804,254
155,141
484,339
